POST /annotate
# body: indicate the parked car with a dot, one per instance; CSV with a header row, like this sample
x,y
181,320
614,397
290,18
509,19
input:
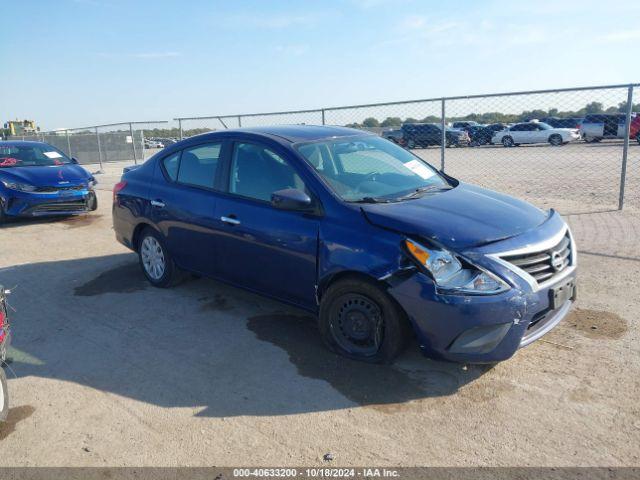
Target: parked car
x,y
37,179
556,122
634,129
535,132
5,339
152,144
422,135
361,232
596,127
482,134
396,136
462,125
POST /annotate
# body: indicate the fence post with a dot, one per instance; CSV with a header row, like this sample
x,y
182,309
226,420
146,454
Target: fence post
x,y
68,144
180,127
142,139
99,150
133,144
239,121
323,119
443,140
625,148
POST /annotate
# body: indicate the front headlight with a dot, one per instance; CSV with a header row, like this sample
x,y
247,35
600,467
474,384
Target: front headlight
x,y
21,187
92,183
451,276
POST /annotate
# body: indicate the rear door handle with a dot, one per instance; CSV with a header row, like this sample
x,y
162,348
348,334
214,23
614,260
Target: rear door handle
x,y
157,203
230,220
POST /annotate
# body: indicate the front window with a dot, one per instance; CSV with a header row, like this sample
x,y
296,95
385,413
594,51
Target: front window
x,y
371,169
31,156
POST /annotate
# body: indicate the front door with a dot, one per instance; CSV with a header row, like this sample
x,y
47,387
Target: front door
x,y
260,247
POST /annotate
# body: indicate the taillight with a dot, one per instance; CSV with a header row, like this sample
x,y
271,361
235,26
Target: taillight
x,y
117,188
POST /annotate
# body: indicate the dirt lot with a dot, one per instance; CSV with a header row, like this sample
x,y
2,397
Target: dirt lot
x,y
109,371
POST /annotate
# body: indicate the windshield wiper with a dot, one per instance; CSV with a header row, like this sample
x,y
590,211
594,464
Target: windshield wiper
x,y
419,191
372,200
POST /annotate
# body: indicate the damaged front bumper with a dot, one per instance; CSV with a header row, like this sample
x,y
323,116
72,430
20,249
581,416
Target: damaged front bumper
x,y
33,204
491,328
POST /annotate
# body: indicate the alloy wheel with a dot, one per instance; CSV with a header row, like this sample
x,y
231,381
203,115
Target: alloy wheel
x,y
153,257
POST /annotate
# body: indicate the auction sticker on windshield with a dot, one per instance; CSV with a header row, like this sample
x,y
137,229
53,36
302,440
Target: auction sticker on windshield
x,y
52,155
419,168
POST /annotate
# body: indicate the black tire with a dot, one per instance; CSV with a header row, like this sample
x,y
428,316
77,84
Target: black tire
x,y
555,140
3,217
4,396
507,141
411,144
362,305
637,138
171,274
92,202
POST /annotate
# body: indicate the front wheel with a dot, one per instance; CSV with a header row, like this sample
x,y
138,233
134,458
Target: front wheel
x,y
92,202
360,321
411,144
155,260
637,138
4,396
507,142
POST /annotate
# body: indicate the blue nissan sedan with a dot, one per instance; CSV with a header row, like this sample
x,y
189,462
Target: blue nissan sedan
x,y
37,179
369,237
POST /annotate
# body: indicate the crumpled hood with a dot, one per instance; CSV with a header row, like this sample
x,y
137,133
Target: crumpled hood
x,y
463,217
47,176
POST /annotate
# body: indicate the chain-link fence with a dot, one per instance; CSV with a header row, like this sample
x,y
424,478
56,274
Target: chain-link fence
x,y
567,147
102,143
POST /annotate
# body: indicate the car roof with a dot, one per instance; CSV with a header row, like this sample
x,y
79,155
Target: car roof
x,y
301,133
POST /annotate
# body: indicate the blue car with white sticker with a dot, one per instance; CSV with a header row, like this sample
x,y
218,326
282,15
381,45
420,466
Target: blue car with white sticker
x,y
361,232
37,179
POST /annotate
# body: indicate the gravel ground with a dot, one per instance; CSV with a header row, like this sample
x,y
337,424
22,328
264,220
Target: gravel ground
x,y
108,371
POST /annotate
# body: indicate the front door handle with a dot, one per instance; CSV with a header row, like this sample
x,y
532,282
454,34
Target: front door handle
x,y
230,220
157,203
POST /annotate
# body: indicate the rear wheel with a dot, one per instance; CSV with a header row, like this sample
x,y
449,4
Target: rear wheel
x,y
637,138
4,396
411,144
359,320
555,140
155,260
507,141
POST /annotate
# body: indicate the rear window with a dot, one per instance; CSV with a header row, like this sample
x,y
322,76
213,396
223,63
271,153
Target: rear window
x,y
196,166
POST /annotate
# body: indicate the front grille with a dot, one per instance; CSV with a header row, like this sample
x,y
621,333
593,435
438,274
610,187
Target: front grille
x,y
545,264
60,207
60,188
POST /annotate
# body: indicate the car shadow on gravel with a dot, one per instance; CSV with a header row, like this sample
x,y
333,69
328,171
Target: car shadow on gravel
x,y
202,345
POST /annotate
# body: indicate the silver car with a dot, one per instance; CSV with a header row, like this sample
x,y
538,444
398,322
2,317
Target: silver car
x,y
595,127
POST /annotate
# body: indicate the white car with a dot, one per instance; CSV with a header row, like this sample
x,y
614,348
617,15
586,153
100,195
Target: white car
x,y
535,132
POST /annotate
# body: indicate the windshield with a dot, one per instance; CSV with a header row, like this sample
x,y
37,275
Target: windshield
x,y
31,156
544,126
370,168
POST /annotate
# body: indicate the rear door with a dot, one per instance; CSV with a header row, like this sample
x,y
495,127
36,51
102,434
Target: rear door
x,y
262,248
183,199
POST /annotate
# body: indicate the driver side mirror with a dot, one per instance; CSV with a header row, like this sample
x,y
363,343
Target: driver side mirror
x,y
74,160
291,199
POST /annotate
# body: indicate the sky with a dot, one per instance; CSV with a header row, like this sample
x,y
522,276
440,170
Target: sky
x,y
74,63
